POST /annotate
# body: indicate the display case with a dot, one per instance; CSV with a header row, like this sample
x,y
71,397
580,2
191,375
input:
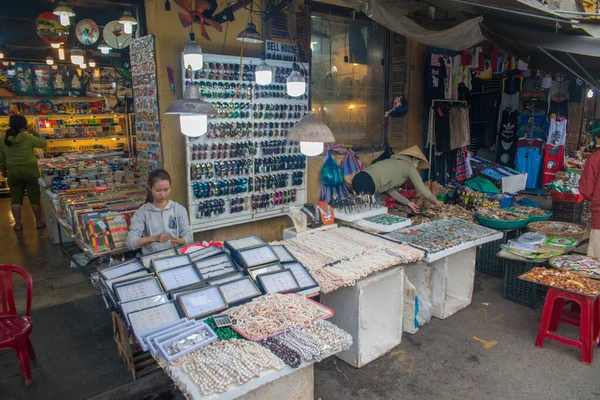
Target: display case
x,y
244,169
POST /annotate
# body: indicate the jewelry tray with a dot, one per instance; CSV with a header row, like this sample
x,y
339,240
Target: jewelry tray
x,y
147,259
226,278
121,269
199,329
161,264
204,266
255,256
243,243
137,289
151,340
245,287
159,331
207,252
302,275
285,281
178,277
145,322
263,269
329,313
184,289
283,253
141,304
197,304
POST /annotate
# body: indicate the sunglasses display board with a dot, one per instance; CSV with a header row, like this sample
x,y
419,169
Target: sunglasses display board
x,y
145,94
244,168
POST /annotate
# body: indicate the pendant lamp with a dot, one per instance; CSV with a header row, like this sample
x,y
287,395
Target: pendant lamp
x,y
193,112
250,34
192,54
263,73
49,60
64,14
128,21
312,133
104,47
77,56
296,84
55,45
92,63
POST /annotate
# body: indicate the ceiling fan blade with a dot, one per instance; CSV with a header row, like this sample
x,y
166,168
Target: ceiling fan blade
x,y
186,20
212,23
204,33
185,4
201,5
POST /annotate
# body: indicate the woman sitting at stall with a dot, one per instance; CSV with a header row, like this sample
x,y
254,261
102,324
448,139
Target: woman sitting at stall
x,y
19,165
160,223
386,175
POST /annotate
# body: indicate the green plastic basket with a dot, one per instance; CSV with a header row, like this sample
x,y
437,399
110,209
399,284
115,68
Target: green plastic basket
x,y
501,224
546,217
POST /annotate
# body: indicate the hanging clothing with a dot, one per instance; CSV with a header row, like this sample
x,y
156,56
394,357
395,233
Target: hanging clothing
x,y
529,161
509,101
437,77
576,91
559,91
508,138
538,118
442,129
463,165
534,132
446,63
512,85
557,134
554,161
460,129
461,75
532,88
590,189
559,108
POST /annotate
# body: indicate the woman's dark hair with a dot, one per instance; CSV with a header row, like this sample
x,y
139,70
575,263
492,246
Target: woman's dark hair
x,y
153,177
16,124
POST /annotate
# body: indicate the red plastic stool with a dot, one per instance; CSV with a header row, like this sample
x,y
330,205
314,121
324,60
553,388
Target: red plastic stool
x,y
587,319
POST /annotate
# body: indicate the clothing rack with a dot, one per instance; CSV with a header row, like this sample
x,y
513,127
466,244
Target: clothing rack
x,y
431,138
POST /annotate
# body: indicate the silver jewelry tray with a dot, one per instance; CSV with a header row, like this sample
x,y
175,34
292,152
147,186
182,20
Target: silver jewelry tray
x,y
266,282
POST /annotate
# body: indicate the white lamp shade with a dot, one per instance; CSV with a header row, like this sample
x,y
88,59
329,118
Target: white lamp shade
x,y
296,85
49,61
127,28
77,56
590,93
264,77
64,19
192,55
55,45
193,125
311,148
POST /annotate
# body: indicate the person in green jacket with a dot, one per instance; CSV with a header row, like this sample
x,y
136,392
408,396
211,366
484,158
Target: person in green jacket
x,y
386,175
19,164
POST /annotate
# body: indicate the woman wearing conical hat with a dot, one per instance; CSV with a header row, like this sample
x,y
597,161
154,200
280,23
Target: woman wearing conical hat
x,y
386,175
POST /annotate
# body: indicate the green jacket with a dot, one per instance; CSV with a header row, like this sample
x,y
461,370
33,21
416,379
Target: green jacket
x,y
20,152
392,173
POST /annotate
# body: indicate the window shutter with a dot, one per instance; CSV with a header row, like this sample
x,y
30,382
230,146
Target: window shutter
x,y
397,135
303,33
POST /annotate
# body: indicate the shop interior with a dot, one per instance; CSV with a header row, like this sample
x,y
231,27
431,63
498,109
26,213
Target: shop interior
x,y
289,276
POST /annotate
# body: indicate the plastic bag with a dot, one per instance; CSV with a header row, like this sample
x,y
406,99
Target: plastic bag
x,y
423,311
332,179
351,165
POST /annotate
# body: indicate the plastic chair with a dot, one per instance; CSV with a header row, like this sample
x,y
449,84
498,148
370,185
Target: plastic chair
x,y
15,330
584,313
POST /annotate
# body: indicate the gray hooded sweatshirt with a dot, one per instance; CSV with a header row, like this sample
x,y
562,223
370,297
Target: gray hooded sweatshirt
x,y
149,221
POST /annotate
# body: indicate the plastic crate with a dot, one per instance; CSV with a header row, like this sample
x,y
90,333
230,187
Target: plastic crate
x,y
566,212
567,197
526,293
487,260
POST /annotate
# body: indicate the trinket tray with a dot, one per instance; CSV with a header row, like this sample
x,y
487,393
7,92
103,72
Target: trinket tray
x,y
185,289
147,259
161,264
264,269
144,322
168,333
352,216
303,277
121,269
283,253
141,304
207,252
214,267
279,282
240,290
137,289
143,340
191,340
243,243
178,277
202,302
384,223
255,256
226,278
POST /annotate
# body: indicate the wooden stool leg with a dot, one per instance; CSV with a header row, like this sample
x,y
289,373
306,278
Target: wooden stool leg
x,y
557,312
588,343
546,318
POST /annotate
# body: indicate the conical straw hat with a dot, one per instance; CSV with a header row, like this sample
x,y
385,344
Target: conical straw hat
x,y
416,152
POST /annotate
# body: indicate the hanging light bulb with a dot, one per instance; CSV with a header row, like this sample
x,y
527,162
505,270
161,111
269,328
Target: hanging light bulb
x,y
83,65
61,54
92,63
49,60
1,55
193,112
192,54
128,21
311,132
104,47
590,93
263,73
64,14
547,82
55,45
296,84
77,56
